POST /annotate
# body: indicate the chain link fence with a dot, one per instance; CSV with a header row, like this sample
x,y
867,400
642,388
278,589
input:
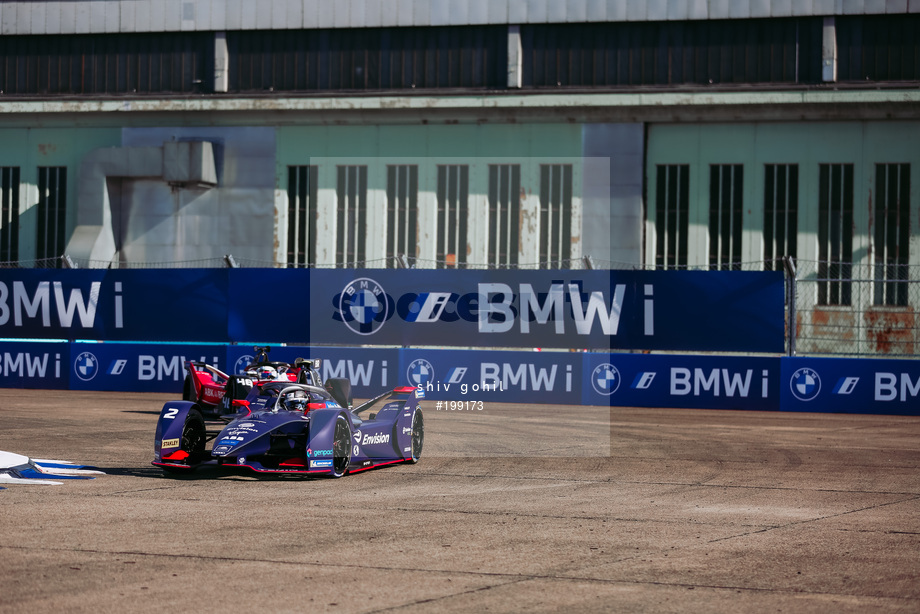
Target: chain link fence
x,y
860,310
832,309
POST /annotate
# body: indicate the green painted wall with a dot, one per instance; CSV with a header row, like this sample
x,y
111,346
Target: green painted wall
x,y
808,144
298,144
31,148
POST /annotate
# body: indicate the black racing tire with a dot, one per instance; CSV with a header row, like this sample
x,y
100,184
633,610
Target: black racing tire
x,y
193,441
341,448
188,389
418,436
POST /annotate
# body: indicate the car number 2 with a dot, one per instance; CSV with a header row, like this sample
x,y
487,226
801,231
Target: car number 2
x,y
171,413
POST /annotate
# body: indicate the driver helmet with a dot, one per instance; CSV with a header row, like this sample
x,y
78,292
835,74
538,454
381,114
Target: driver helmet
x,y
267,372
296,400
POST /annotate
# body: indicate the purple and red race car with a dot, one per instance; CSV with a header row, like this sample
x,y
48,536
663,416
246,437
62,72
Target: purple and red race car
x,y
280,418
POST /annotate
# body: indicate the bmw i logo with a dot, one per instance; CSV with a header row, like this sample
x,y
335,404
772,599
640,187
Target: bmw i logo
x,y
605,379
86,366
420,372
805,384
363,306
241,363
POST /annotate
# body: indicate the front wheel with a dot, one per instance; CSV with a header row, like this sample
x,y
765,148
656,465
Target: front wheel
x,y
341,448
193,441
418,436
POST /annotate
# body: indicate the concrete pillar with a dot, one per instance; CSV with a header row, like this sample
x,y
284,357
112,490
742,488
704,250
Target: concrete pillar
x,y
221,62
829,50
515,57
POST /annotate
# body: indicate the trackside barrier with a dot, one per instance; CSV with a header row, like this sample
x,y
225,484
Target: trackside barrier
x,y
772,383
699,311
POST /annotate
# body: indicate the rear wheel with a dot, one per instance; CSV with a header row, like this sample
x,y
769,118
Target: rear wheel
x,y
193,441
341,448
418,435
188,389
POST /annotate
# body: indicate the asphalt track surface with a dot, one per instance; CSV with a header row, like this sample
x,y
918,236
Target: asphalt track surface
x,y
511,509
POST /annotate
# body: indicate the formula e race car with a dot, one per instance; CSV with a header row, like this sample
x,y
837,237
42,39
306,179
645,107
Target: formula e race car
x,y
214,390
290,427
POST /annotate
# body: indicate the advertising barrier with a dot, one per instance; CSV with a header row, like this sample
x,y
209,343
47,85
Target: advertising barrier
x,y
34,364
477,378
711,311
731,311
852,386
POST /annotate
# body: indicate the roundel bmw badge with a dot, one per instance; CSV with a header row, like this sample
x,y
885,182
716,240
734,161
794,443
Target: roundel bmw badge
x,y
605,379
363,306
242,362
86,366
805,384
420,372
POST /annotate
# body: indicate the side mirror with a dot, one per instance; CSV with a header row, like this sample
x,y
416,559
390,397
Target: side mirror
x,y
340,389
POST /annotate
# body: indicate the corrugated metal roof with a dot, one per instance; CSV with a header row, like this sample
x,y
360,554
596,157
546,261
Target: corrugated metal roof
x,y
98,16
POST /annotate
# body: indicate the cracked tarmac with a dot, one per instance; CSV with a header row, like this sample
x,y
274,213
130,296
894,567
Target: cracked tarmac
x,y
534,508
